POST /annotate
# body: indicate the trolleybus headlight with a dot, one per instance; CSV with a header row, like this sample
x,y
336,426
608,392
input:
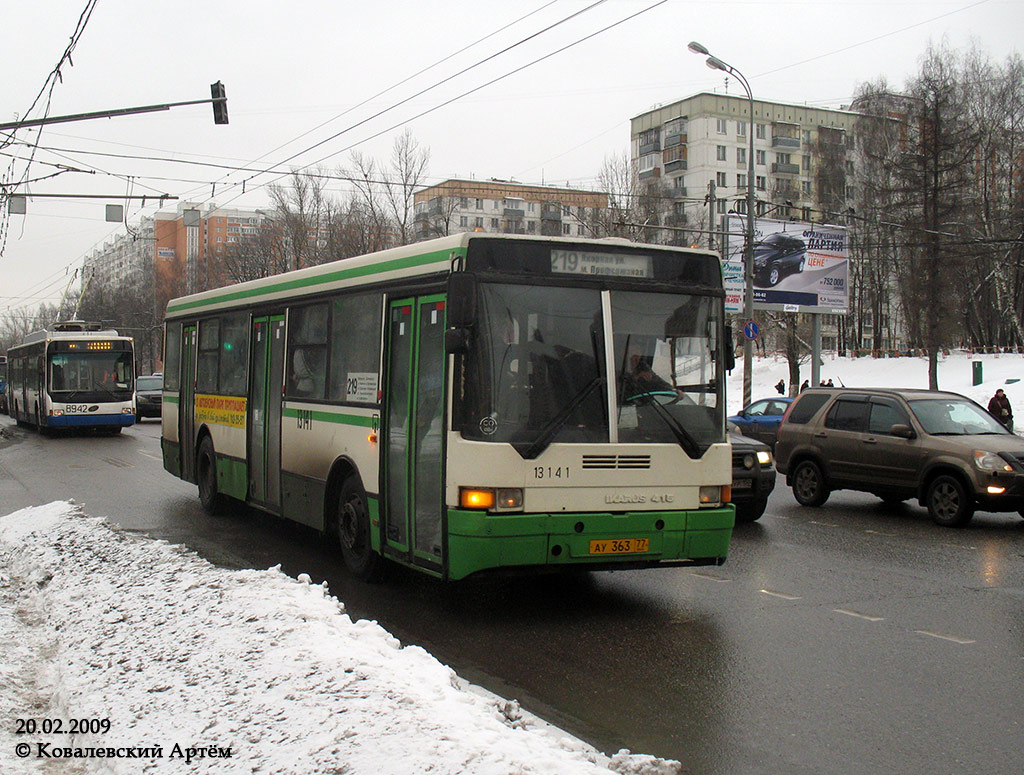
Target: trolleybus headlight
x,y
712,496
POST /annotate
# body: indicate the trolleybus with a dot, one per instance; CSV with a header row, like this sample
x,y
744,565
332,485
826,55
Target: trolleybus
x,y
75,374
468,404
3,384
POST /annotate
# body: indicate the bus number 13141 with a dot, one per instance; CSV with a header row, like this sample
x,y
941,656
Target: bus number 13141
x,y
550,472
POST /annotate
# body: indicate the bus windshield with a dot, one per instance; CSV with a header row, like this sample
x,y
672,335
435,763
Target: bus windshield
x,y
91,376
536,372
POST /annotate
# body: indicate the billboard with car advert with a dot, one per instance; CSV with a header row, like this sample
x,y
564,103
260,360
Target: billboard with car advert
x,y
798,266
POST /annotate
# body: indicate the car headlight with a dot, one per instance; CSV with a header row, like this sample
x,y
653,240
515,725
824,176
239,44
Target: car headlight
x,y
764,457
990,461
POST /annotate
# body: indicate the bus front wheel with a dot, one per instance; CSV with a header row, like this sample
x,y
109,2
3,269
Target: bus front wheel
x,y
206,466
352,527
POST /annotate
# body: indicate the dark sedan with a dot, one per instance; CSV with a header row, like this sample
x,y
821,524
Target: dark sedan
x,y
753,476
149,396
761,419
776,256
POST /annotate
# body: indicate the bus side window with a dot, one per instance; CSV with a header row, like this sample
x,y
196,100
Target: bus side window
x,y
307,351
355,348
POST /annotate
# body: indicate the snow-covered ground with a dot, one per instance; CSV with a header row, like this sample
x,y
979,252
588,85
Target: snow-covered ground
x,y
189,661
1004,371
183,657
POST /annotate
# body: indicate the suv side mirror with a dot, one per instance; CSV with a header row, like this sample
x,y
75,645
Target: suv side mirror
x,y
903,431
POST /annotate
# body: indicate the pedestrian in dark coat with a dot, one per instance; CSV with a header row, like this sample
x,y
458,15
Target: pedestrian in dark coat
x,y
781,387
805,385
999,407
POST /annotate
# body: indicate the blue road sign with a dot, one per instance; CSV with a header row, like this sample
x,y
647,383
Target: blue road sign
x,y
750,330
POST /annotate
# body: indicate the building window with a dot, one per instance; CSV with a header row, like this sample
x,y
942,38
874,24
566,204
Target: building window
x,y
741,155
760,131
741,181
648,162
722,126
807,188
497,204
531,207
480,205
722,151
782,158
741,128
479,223
531,227
760,183
579,230
566,228
805,163
807,137
494,223
723,205
762,158
463,220
463,203
720,179
680,182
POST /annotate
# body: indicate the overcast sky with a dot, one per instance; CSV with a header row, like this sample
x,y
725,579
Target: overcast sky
x,y
299,73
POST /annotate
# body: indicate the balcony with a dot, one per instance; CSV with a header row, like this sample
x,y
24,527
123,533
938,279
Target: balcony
x,y
650,147
785,142
651,173
785,169
676,139
551,215
675,166
514,212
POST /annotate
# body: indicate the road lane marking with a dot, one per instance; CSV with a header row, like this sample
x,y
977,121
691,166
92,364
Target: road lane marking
x,y
880,533
859,616
826,524
951,638
147,454
710,577
780,594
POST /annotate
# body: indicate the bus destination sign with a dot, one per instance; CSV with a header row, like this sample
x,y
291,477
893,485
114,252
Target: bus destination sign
x,y
600,264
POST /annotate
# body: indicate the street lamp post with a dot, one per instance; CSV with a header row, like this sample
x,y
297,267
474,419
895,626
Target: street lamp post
x,y
748,258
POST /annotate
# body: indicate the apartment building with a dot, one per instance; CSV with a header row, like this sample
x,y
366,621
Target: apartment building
x,y
505,206
803,157
190,242
123,259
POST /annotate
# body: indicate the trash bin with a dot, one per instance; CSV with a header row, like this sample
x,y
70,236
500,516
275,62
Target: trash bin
x,y
976,373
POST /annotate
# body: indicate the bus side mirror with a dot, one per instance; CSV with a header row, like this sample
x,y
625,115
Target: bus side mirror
x,y
456,340
730,351
460,308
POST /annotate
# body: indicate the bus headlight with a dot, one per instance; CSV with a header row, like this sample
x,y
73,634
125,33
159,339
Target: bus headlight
x,y
501,499
711,496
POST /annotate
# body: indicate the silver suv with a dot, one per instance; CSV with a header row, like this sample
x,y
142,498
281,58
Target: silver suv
x,y
941,448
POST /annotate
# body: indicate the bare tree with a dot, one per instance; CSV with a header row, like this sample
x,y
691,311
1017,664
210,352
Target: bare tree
x,y
405,174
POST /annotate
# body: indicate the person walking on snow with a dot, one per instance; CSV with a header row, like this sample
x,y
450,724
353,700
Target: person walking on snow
x,y
999,407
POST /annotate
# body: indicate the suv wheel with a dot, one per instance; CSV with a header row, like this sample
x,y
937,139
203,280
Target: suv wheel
x,y
948,502
809,486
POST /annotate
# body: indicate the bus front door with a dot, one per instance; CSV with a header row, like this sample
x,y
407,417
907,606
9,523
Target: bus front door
x,y
414,426
186,404
265,390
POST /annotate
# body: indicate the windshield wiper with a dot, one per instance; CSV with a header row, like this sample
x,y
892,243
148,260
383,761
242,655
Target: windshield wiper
x,y
555,424
685,440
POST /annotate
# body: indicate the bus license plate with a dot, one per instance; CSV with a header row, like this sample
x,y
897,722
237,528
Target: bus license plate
x,y
620,546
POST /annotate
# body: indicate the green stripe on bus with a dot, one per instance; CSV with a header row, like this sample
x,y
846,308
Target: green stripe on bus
x,y
171,399
409,262
341,419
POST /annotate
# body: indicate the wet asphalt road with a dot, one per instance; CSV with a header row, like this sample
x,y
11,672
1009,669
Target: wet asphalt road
x,y
846,639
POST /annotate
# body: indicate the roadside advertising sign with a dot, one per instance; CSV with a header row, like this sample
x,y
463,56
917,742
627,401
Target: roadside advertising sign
x,y
798,266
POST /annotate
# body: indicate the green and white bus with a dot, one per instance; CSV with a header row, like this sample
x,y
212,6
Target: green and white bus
x,y
474,403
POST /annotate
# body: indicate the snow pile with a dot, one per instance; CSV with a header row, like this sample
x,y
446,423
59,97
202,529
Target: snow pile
x,y
956,372
183,656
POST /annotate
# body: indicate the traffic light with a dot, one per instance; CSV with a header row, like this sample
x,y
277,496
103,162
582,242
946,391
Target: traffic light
x,y
220,103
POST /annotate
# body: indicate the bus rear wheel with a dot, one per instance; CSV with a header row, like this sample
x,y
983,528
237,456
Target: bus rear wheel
x,y
352,528
206,466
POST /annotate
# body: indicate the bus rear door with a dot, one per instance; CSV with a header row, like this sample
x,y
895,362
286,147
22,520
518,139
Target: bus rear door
x,y
264,444
186,404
